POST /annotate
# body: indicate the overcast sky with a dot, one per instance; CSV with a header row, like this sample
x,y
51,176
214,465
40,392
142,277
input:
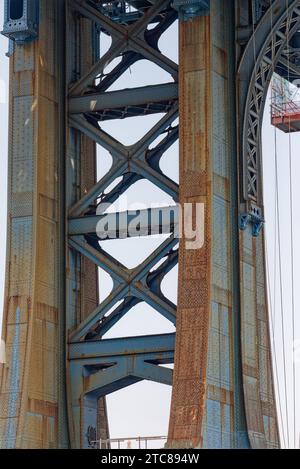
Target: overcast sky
x,y
143,408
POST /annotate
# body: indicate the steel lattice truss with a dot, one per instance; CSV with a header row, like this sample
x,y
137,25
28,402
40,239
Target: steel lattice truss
x,y
100,367
261,77
264,54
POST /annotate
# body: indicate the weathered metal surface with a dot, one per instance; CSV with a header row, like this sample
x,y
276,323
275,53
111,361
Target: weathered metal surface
x,y
21,21
194,295
258,383
32,413
218,400
223,388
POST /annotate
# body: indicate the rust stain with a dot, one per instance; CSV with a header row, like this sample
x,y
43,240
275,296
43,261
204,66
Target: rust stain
x,y
193,312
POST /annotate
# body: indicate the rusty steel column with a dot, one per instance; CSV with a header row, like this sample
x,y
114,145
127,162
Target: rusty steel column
x,y
222,387
194,297
32,397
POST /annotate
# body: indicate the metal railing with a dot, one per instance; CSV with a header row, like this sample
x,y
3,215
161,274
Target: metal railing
x,y
284,109
137,442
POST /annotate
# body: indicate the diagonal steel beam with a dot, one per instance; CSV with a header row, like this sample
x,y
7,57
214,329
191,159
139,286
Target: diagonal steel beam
x,y
117,47
144,268
123,39
165,308
135,155
83,7
142,145
89,198
157,178
99,136
113,267
118,293
140,46
132,283
154,373
120,311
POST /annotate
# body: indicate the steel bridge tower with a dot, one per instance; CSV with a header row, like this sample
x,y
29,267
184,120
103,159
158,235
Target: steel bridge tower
x,y
59,368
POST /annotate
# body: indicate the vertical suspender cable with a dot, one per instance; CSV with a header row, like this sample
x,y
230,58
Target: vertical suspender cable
x,y
273,308
292,250
272,315
281,291
293,286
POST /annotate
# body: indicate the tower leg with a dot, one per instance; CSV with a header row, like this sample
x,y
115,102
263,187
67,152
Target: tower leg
x,y
32,393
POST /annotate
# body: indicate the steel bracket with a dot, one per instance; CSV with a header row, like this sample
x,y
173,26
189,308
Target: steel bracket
x,y
21,19
254,217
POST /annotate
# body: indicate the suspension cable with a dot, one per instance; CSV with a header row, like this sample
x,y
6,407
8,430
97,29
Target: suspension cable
x,y
272,315
293,284
273,307
292,246
281,290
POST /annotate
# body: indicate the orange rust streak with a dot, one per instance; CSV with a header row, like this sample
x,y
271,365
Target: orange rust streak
x,y
189,383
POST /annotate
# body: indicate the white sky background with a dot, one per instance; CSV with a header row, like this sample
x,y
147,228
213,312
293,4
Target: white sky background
x,y
143,409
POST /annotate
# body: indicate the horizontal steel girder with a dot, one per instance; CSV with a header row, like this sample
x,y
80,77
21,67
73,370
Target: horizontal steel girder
x,y
134,97
153,221
112,364
127,371
107,350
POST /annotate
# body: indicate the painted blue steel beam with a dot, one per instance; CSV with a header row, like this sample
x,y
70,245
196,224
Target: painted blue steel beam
x,y
133,97
127,372
136,159
108,370
127,282
98,368
112,348
155,221
123,42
